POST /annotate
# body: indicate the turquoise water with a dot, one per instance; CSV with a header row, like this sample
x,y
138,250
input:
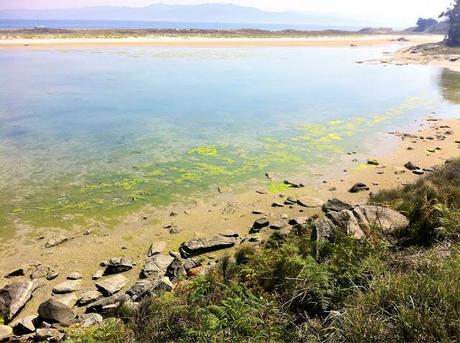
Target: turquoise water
x,y
99,132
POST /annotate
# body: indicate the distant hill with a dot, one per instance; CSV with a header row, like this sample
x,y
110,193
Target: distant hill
x,y
209,13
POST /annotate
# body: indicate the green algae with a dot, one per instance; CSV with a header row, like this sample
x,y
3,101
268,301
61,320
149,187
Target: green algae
x,y
204,151
277,187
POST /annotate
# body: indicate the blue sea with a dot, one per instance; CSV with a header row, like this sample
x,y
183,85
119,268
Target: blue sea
x,y
117,24
98,132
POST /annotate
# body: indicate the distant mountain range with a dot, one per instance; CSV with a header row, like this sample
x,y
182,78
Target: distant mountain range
x,y
206,13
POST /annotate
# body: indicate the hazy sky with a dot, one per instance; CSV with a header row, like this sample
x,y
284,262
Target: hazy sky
x,y
401,12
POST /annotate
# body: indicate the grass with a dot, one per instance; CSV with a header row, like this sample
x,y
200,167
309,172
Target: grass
x,y
293,289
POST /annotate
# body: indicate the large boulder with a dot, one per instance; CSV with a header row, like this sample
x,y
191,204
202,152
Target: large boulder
x,y
156,266
112,285
200,246
56,312
389,221
14,296
346,221
323,229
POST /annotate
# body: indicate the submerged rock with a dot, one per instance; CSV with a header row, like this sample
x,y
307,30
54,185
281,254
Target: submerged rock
x,y
203,245
14,296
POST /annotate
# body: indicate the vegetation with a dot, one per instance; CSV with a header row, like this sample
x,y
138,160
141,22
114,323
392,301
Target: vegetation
x,y
295,290
453,37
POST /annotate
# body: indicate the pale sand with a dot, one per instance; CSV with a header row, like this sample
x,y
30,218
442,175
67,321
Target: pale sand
x,y
133,236
317,41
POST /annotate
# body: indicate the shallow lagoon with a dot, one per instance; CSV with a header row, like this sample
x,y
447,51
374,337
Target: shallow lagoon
x,y
97,133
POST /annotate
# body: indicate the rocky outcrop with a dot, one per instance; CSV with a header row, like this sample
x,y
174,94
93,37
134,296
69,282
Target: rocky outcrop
x,y
14,296
387,220
156,266
56,312
112,285
204,245
346,221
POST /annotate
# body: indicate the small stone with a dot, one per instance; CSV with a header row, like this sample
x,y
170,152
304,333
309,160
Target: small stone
x,y
277,204
173,229
294,183
230,233
56,240
259,224
68,286
74,276
290,201
284,216
359,187
372,162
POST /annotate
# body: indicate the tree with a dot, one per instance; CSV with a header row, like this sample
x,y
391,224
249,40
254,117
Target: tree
x,y
453,37
425,24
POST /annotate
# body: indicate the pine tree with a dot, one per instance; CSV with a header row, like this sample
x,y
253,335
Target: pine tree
x,y
453,36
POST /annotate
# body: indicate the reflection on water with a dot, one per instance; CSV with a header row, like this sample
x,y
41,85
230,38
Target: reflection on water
x,y
103,132
449,83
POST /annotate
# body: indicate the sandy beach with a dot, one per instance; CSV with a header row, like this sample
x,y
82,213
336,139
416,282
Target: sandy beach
x,y
329,40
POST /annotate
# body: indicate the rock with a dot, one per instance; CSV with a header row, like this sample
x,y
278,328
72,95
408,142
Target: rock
x,y
336,205
74,276
176,268
68,286
56,312
118,265
69,299
388,220
204,245
346,221
298,221
372,162
165,285
25,325
90,319
156,266
156,248
294,183
56,240
112,285
5,332
89,297
109,303
323,229
98,274
278,225
42,271
411,166
13,298
15,273
173,229
257,212
50,335
359,187
290,201
259,224
418,172
230,234
277,204
141,289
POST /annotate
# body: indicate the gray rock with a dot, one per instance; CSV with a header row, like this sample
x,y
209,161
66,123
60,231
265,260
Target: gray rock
x,y
323,229
5,332
346,221
98,274
259,224
25,325
43,271
165,285
74,276
50,335
156,248
336,205
359,187
204,245
89,297
411,166
56,240
141,289
118,265
90,319
176,268
278,225
377,216
68,286
14,296
56,312
15,273
69,299
112,285
113,301
277,204
290,201
156,266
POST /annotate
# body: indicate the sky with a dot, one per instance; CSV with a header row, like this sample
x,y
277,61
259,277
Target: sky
x,y
395,12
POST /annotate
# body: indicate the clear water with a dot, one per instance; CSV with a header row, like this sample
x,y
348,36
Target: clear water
x,y
88,133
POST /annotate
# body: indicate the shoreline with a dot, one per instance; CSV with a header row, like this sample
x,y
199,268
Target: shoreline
x,y
325,40
228,211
